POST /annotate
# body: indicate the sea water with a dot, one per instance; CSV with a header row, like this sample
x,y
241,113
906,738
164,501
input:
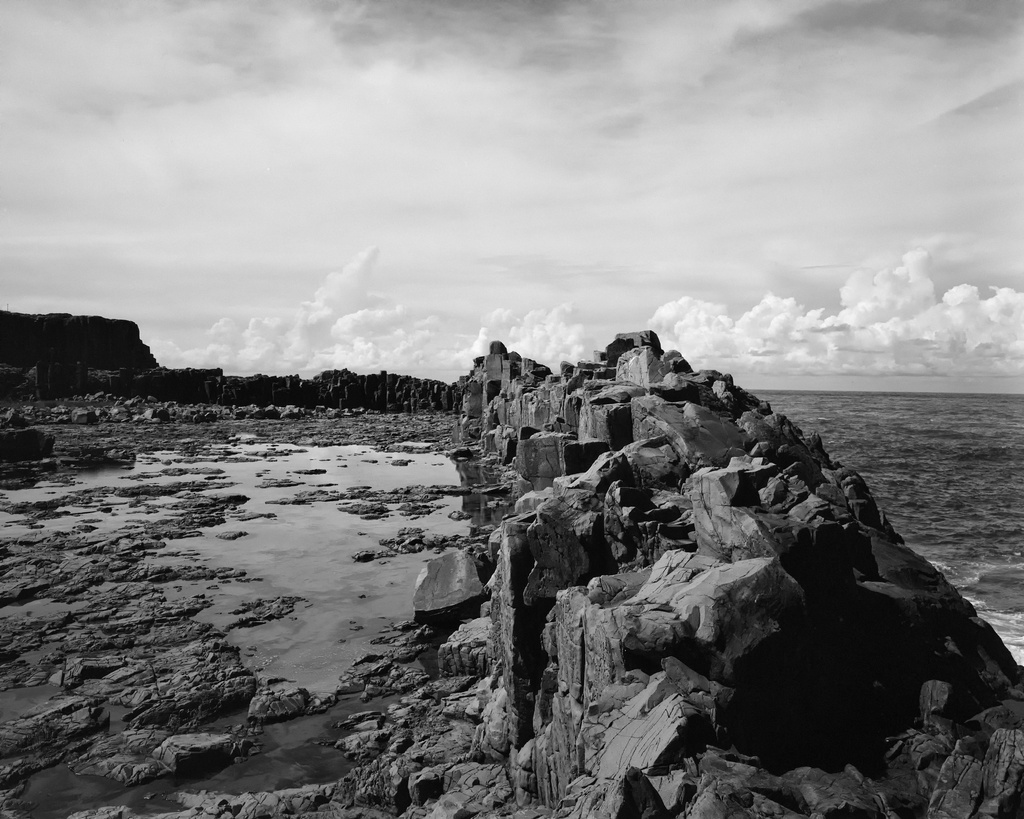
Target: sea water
x,y
945,469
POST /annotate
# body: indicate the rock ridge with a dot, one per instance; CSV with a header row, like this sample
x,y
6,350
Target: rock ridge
x,y
58,355
64,340
696,612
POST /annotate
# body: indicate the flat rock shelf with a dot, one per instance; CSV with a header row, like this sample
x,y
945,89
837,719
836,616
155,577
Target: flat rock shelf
x,y
184,608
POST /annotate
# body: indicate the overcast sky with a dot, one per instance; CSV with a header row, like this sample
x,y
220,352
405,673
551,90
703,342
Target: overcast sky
x,y
822,195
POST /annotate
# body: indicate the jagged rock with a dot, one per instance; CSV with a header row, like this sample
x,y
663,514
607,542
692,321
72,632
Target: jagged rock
x,y
466,651
199,680
84,416
782,618
654,729
192,754
605,413
1002,785
60,721
25,444
277,705
629,341
493,735
676,387
958,790
447,588
698,436
540,458
606,469
125,757
642,367
719,799
653,463
12,419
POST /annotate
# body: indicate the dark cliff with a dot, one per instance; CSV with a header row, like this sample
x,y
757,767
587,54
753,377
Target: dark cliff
x,y
62,339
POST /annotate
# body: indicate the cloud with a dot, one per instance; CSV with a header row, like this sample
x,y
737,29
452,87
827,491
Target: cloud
x,y
548,336
177,162
891,323
348,325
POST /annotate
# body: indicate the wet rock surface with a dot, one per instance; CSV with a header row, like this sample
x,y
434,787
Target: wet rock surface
x,y
107,634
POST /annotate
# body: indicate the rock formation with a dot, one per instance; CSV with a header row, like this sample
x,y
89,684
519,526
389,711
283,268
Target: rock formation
x,y
334,389
60,356
694,611
63,340
697,611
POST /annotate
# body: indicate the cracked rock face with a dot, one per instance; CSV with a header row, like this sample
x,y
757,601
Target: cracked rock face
x,y
714,618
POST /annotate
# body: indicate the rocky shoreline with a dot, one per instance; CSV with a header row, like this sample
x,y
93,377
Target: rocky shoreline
x,y
692,611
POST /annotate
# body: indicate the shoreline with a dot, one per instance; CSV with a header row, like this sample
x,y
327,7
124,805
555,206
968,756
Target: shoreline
x,y
181,456
679,581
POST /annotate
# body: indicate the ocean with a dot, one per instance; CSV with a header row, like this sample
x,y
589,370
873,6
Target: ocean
x,y
946,470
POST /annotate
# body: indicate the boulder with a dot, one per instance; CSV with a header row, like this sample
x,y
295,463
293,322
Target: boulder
x,y
196,754
12,419
277,705
25,444
628,341
84,416
157,415
607,468
642,367
697,435
676,387
447,589
654,463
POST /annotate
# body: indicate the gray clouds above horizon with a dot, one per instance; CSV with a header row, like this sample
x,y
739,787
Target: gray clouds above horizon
x,y
194,165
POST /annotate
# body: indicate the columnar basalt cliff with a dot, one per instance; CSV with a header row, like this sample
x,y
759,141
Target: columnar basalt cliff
x,y
335,389
60,339
59,356
696,611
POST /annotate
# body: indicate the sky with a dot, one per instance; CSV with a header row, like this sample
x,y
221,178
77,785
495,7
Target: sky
x,y
807,194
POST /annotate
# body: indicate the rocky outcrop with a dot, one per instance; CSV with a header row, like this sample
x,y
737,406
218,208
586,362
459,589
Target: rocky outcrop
x,y
63,340
334,389
25,444
710,616
201,753
60,356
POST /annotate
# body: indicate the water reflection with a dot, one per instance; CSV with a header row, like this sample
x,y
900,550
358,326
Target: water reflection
x,y
295,549
490,502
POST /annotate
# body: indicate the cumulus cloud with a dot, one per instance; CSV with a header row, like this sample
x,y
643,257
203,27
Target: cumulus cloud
x,y
347,324
545,335
178,155
891,322
335,315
